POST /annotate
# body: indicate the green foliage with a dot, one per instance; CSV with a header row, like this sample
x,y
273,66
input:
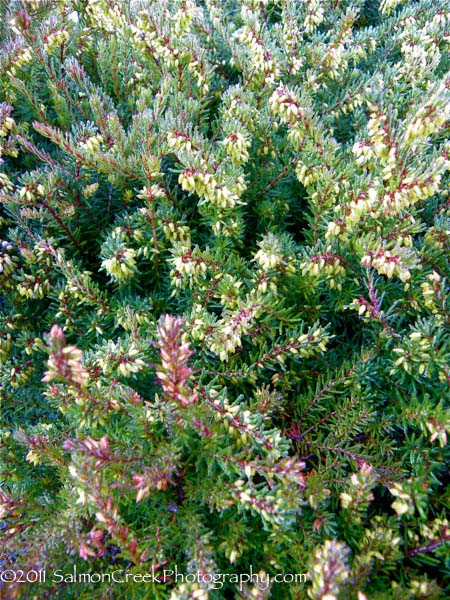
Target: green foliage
x,y
225,310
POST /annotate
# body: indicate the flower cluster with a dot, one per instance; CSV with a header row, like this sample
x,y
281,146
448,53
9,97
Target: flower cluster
x,y
328,265
329,570
398,262
262,59
206,185
7,124
314,16
404,503
174,373
270,254
122,265
189,266
182,19
236,145
92,144
65,362
286,105
7,260
228,332
55,39
359,493
123,359
433,295
177,140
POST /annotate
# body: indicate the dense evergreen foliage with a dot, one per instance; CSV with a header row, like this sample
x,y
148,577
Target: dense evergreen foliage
x,y
225,310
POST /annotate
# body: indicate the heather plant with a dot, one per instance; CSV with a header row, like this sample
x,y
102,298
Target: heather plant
x,y
225,310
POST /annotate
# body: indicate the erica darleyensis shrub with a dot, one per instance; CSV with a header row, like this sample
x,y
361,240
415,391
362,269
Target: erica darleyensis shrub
x,y
224,270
